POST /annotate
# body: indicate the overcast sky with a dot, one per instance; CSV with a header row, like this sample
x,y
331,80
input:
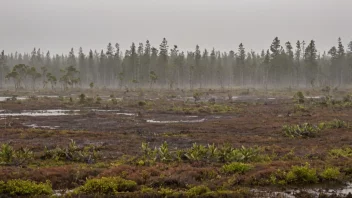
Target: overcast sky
x,y
58,25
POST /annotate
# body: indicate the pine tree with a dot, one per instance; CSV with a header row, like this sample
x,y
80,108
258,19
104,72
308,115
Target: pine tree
x,y
197,69
341,61
163,60
298,61
290,62
110,64
71,61
146,62
310,59
82,64
275,69
212,67
241,61
102,63
91,77
140,65
2,67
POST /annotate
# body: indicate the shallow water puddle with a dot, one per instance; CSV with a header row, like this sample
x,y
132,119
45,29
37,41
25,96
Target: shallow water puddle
x,y
175,121
126,114
41,113
35,126
6,98
103,110
315,192
314,97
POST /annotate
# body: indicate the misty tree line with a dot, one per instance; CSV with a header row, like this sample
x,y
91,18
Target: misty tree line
x,y
282,65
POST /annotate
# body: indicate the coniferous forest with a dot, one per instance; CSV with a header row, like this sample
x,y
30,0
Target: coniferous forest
x,y
283,64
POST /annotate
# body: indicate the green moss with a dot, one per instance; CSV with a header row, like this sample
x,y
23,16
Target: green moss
x,y
19,187
302,175
166,192
198,190
106,185
330,174
236,167
341,152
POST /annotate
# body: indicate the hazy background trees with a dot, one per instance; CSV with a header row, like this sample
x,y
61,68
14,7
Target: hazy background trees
x,y
283,64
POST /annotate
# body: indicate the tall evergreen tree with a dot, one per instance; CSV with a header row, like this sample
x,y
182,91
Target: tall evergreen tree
x,y
241,62
311,64
163,60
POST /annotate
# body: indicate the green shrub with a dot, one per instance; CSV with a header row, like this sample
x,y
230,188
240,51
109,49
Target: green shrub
x,y
88,154
142,103
82,98
98,100
166,192
299,97
107,185
145,190
336,124
302,175
198,190
330,173
19,187
196,96
196,153
236,167
342,152
10,156
299,108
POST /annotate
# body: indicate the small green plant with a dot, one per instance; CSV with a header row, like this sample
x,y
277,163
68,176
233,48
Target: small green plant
x,y
299,97
347,98
336,124
98,100
305,130
302,175
19,187
196,96
88,154
164,153
142,103
196,153
330,173
10,156
149,155
236,167
341,152
198,191
114,101
106,186
82,98
299,108
166,192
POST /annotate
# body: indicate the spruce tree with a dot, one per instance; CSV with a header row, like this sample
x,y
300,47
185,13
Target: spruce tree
x,y
311,64
241,61
163,60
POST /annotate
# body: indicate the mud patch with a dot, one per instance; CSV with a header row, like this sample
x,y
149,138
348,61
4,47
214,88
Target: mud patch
x,y
35,113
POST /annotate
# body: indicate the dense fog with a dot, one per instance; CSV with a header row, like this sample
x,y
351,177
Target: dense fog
x,y
147,65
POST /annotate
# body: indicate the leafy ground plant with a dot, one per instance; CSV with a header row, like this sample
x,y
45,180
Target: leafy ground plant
x,y
305,130
10,156
197,191
331,173
302,175
19,187
236,167
106,186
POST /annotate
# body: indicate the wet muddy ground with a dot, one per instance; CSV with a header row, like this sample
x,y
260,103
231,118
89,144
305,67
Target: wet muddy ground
x,y
179,119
